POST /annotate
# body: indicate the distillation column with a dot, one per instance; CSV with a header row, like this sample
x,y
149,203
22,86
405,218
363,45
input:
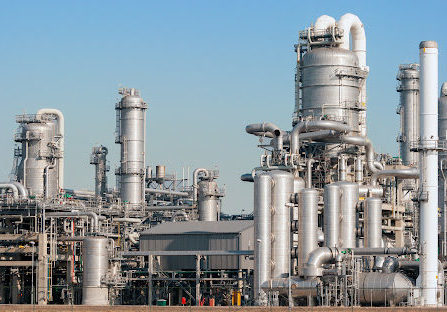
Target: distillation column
x,y
99,159
428,53
131,134
409,110
442,131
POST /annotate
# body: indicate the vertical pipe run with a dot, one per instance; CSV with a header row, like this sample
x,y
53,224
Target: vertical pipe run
x,y
308,225
331,221
262,221
428,53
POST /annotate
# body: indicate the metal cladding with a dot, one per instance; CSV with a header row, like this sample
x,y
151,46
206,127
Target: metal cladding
x,y
409,110
96,262
281,192
99,159
348,202
442,131
373,223
39,154
262,220
428,52
331,224
308,225
208,200
131,134
331,83
383,288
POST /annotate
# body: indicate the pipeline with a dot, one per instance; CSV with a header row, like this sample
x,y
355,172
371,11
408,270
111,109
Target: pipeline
x,y
74,213
166,192
410,173
12,187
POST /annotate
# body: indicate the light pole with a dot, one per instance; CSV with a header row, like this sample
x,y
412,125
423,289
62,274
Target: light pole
x,y
32,273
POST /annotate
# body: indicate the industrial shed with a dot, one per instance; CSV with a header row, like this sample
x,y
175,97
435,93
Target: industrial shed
x,y
201,236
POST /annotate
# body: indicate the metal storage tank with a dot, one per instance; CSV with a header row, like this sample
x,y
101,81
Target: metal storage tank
x,y
95,261
383,288
409,110
37,170
131,134
331,81
198,235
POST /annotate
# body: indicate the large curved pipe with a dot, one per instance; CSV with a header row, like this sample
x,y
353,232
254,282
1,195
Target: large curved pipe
x,y
267,129
195,178
307,126
353,26
317,258
22,190
74,213
12,187
179,213
324,22
61,132
410,173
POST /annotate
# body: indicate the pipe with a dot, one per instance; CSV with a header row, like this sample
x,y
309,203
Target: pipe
x,y
307,126
262,221
22,190
324,22
299,288
408,173
195,177
162,208
47,180
267,129
358,170
310,161
178,214
353,27
61,133
74,213
12,187
428,53
247,177
371,191
129,220
342,168
166,192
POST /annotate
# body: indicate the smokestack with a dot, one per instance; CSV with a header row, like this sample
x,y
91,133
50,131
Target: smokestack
x,y
428,53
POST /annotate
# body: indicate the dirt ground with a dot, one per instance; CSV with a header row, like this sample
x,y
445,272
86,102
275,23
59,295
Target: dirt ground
x,y
66,308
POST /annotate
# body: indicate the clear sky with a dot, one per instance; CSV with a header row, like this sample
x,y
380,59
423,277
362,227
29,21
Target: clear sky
x,y
206,69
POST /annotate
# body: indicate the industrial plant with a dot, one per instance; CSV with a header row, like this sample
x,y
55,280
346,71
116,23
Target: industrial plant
x,y
334,223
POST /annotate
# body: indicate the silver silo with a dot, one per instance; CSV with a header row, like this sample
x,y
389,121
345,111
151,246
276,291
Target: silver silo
x,y
442,132
37,169
95,262
99,159
331,80
308,225
262,219
281,192
348,203
409,110
131,134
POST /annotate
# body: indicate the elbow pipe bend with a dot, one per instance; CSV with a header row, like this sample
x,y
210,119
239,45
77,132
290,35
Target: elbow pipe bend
x,y
410,173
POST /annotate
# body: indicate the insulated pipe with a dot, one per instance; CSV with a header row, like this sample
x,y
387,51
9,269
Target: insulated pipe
x,y
247,177
162,208
371,191
22,190
342,168
310,161
267,129
91,214
331,221
324,22
195,178
353,27
373,223
12,187
262,220
61,132
306,126
428,53
358,170
308,225
410,173
166,192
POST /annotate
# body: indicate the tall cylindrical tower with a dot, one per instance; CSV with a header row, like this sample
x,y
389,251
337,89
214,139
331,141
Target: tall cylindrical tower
x,y
131,135
428,52
442,131
409,110
99,159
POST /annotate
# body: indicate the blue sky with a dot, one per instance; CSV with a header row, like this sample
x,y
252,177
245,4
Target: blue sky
x,y
206,69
